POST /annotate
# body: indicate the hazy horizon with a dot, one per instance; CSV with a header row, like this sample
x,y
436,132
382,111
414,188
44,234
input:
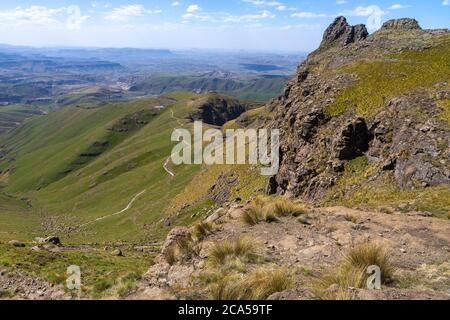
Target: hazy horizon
x,y
251,25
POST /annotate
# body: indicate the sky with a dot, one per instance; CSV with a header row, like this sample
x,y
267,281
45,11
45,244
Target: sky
x,y
251,25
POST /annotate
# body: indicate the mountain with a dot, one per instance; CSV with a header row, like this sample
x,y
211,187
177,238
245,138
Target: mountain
x,y
260,89
368,120
364,181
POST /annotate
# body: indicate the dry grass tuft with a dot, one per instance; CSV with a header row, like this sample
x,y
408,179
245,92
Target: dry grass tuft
x,y
242,248
285,207
351,273
258,285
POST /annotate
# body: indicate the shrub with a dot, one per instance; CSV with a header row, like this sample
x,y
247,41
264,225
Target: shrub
x,y
370,254
203,229
351,272
270,216
253,214
258,285
286,207
170,255
242,248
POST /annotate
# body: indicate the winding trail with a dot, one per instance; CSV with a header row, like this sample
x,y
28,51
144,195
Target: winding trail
x,y
117,213
166,163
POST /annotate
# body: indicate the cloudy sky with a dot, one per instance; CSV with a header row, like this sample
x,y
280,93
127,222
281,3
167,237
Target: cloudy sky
x,y
257,25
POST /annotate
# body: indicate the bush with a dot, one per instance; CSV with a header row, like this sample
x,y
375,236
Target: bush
x,y
258,285
203,229
242,248
253,214
370,254
286,208
351,272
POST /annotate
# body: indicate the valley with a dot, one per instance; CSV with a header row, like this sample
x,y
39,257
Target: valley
x,y
86,177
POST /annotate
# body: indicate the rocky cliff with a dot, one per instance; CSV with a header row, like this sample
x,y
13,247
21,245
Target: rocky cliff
x,y
367,116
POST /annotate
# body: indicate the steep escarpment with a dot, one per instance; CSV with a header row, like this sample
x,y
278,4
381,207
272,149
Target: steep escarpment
x,y
217,109
365,121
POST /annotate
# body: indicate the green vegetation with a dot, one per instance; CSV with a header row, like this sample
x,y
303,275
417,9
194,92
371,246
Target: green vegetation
x,y
270,209
12,115
390,77
445,105
242,249
47,146
122,272
262,89
384,193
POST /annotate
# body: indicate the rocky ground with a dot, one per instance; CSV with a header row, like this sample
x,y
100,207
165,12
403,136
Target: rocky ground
x,y
419,247
19,286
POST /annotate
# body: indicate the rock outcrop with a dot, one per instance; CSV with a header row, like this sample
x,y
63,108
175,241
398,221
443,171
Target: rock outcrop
x,y
402,24
343,33
217,109
405,140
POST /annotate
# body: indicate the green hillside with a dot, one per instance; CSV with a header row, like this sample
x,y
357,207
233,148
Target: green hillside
x,y
262,89
11,116
79,165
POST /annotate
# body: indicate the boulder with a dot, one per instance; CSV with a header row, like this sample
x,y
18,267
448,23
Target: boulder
x,y
341,32
17,243
401,24
117,253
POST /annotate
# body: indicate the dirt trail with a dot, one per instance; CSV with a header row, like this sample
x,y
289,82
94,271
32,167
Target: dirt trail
x,y
117,213
167,162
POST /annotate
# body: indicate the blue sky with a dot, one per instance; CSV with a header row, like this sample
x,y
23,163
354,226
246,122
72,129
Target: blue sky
x,y
254,25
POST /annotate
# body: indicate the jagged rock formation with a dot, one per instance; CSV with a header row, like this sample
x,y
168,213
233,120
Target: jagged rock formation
x,y
402,24
328,118
217,109
340,31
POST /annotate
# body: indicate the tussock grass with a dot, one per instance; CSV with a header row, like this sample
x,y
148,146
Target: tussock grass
x,y
202,230
285,207
370,254
253,214
265,209
242,248
258,285
170,255
351,273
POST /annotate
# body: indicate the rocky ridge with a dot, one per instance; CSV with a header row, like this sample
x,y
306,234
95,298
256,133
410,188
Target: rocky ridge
x,y
404,141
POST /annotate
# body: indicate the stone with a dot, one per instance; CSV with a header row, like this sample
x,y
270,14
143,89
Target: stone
x,y
341,32
117,253
17,243
401,24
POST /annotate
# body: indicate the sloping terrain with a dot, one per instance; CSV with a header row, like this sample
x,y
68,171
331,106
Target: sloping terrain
x,y
260,89
365,121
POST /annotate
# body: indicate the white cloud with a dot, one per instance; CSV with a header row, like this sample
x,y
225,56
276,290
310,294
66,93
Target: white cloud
x,y
341,2
124,13
364,11
397,6
446,2
33,15
104,5
226,17
175,3
262,3
308,15
193,8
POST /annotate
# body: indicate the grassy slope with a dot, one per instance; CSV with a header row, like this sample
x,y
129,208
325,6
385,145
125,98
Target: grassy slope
x,y
258,90
46,145
13,114
380,80
392,76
